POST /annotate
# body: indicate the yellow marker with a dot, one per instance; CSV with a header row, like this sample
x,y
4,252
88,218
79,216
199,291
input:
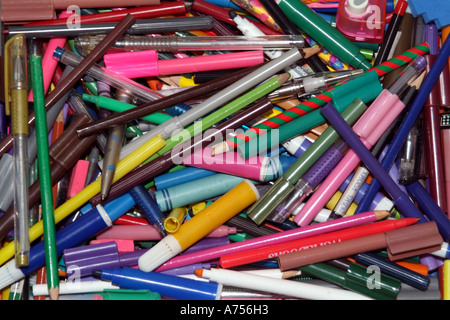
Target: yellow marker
x,y
174,220
194,229
123,167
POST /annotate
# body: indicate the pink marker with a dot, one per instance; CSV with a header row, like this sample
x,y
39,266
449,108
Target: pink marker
x,y
272,239
146,64
254,168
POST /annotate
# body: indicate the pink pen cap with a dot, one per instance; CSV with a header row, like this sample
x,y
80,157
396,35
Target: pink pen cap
x,y
229,162
145,63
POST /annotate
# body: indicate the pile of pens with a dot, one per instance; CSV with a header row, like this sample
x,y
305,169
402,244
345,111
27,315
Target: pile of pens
x,y
224,150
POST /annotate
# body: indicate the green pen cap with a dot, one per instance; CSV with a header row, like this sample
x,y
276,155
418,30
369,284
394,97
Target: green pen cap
x,y
321,31
357,278
127,294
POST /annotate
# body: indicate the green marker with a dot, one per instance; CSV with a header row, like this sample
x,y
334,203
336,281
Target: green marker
x,y
321,31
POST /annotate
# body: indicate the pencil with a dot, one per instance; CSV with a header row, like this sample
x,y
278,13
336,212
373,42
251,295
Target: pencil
x,y
44,171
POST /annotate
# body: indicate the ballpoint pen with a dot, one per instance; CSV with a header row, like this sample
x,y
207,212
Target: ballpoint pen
x,y
17,107
193,43
315,83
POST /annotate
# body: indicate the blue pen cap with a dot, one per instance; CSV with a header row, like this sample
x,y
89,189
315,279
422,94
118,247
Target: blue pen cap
x,y
166,285
58,53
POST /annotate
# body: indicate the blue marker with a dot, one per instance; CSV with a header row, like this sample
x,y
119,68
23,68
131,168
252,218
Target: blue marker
x,y
166,285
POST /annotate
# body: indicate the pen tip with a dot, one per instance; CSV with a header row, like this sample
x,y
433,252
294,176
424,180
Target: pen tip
x,y
97,273
198,272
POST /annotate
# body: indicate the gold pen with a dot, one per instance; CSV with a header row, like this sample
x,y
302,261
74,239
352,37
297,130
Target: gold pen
x,y
17,107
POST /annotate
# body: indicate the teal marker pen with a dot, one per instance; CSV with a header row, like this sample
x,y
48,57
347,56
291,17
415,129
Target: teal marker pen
x,y
317,28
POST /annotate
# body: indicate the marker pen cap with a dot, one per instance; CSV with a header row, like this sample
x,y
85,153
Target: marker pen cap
x,y
81,261
167,286
133,64
297,145
381,113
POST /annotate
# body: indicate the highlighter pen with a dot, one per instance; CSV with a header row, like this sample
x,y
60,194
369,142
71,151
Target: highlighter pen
x,y
17,107
168,286
146,63
221,210
372,124
313,25
192,43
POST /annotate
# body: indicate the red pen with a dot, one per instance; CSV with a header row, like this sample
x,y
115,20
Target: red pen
x,y
274,251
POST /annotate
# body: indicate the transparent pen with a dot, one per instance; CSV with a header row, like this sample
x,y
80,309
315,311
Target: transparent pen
x,y
17,107
84,44
136,90
310,84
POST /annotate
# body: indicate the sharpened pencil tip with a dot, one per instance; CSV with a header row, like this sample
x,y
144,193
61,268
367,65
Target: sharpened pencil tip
x,y
97,273
53,293
198,272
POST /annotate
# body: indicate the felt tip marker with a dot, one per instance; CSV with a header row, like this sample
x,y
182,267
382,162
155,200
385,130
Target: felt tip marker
x,y
230,204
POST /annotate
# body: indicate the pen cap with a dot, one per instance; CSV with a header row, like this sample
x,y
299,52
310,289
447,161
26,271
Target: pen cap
x,y
413,240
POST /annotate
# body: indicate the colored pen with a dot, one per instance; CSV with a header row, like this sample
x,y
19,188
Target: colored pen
x,y
231,203
297,233
317,28
168,286
279,286
401,243
270,252
17,107
193,43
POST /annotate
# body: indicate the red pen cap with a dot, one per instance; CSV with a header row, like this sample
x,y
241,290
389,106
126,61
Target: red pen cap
x,y
413,240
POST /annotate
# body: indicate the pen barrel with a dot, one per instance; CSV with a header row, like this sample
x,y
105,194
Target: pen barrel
x,y
19,113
